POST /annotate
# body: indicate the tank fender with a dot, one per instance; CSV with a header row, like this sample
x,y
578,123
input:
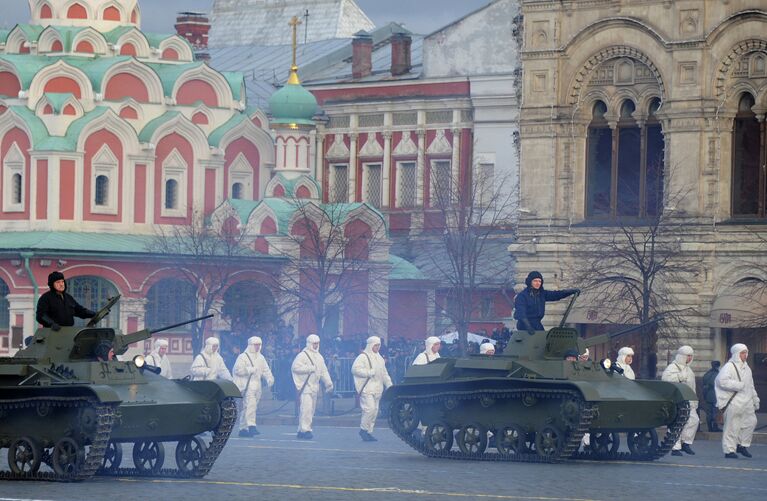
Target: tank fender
x,y
213,390
103,393
677,392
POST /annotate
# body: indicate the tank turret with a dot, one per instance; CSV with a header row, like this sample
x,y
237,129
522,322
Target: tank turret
x,y
535,404
67,406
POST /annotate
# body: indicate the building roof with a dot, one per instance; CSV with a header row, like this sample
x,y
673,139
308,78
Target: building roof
x,y
402,269
245,22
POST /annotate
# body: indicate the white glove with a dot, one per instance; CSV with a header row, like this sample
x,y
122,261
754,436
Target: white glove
x,y
329,389
756,404
270,382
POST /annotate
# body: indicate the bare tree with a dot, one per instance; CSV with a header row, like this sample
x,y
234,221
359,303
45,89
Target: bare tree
x,y
206,256
334,260
637,267
476,216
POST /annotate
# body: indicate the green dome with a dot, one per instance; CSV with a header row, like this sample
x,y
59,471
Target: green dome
x,y
293,104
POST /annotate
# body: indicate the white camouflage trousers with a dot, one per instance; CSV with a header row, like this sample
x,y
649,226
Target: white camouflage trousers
x,y
369,403
306,405
249,404
738,428
690,428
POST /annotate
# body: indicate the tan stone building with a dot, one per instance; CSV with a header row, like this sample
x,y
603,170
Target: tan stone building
x,y
613,89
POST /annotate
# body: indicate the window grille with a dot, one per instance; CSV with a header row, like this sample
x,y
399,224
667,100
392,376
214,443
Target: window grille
x,y
371,120
407,184
93,293
441,182
340,191
439,117
339,122
405,118
170,301
374,184
102,190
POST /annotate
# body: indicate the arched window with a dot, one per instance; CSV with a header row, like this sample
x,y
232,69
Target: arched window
x,y
170,54
77,11
129,113
111,14
9,84
102,190
250,307
237,191
171,194
5,312
18,190
128,49
748,147
56,46
169,302
45,12
93,292
624,166
84,47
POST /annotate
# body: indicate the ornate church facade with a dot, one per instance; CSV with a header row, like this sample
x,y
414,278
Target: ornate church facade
x,y
109,134
626,105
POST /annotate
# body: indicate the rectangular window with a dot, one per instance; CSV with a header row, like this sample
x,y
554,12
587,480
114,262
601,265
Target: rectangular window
x,y
339,183
484,188
441,183
373,184
406,184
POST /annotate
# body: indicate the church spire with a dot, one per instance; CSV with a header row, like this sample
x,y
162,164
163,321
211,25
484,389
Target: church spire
x,y
293,78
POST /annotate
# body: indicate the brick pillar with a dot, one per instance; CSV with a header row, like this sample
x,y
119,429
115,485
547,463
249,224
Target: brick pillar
x,y
400,53
362,53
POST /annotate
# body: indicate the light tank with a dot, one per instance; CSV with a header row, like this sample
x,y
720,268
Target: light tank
x,y
529,404
67,407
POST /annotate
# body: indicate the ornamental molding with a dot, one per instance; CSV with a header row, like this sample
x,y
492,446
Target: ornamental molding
x,y
371,148
738,51
616,52
440,145
406,147
338,150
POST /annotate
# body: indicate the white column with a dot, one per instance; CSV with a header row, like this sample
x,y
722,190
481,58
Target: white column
x,y
353,167
420,166
386,202
22,304
456,159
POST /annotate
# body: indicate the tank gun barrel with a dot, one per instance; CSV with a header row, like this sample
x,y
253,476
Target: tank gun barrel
x,y
121,343
603,338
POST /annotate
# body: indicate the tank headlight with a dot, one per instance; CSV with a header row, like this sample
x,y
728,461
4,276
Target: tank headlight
x,y
139,361
606,364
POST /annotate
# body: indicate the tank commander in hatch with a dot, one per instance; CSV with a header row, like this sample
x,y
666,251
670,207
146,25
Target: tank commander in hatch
x,y
530,304
56,308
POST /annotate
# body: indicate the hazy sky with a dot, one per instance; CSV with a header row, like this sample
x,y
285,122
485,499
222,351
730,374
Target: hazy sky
x,y
420,16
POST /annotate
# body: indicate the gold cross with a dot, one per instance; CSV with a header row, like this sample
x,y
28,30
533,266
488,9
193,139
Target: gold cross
x,y
294,23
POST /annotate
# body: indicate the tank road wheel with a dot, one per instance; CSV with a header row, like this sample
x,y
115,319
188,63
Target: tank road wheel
x,y
604,444
549,442
113,456
68,457
148,456
643,443
510,440
404,416
24,456
472,439
189,453
438,437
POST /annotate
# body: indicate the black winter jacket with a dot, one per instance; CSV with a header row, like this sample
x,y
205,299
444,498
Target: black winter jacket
x,y
61,309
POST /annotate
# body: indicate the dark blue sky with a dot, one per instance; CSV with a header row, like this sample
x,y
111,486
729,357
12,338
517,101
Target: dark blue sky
x,y
420,16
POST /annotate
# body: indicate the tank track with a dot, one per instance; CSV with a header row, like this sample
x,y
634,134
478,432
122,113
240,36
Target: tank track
x,y
669,439
104,419
220,436
573,434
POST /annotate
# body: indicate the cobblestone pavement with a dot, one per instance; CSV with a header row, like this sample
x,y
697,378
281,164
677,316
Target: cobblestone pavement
x,y
337,465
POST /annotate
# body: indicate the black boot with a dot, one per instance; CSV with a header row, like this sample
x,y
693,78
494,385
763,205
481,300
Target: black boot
x,y
686,448
676,452
253,431
743,451
244,433
731,455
